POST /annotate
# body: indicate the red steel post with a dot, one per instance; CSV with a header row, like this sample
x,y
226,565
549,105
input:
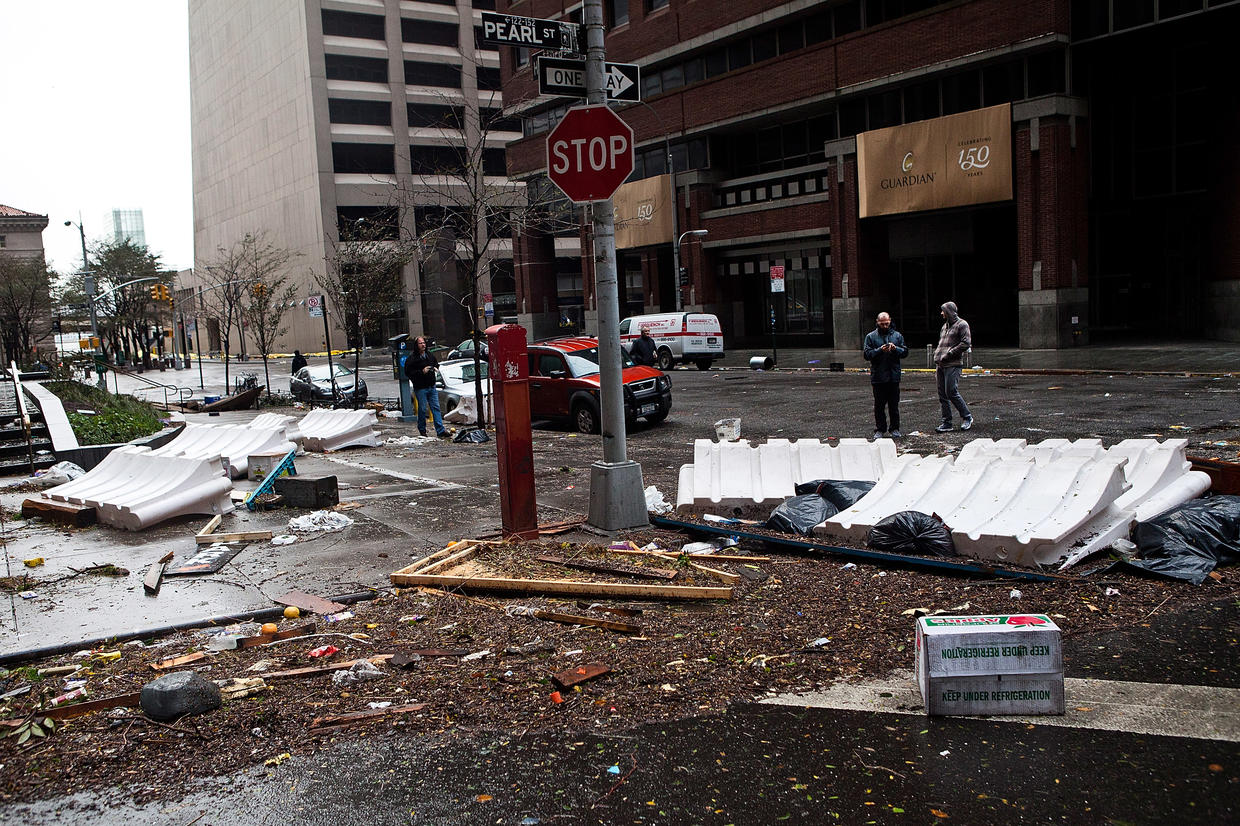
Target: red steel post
x,y
514,440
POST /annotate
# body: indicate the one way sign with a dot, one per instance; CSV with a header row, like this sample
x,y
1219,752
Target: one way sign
x,y
567,76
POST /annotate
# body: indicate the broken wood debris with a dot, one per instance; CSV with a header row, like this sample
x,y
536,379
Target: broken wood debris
x,y
207,537
102,704
156,574
603,568
545,529
618,610
331,721
264,639
678,554
315,670
579,675
572,619
308,602
175,662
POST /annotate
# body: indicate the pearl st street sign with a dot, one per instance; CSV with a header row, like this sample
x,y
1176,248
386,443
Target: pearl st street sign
x,y
530,32
567,76
589,153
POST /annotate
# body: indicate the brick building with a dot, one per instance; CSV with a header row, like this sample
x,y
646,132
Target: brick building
x,y
1116,209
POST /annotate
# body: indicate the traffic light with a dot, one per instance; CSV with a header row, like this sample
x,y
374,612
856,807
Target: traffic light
x,y
168,296
259,290
154,292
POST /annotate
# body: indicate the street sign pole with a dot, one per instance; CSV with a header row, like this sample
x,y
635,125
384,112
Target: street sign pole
x,y
617,501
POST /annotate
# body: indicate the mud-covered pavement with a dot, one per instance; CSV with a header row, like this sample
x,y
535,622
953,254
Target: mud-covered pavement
x,y
413,499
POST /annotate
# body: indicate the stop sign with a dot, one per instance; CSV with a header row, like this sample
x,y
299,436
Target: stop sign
x,y
589,153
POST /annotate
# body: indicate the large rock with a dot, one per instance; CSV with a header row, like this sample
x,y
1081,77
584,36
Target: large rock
x,y
176,695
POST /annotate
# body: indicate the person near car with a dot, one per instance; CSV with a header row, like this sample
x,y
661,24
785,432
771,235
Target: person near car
x,y
299,361
420,367
883,348
954,341
643,349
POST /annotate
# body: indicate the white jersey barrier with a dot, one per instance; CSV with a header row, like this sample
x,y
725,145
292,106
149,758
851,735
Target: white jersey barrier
x,y
1031,504
324,430
234,442
133,488
728,475
292,431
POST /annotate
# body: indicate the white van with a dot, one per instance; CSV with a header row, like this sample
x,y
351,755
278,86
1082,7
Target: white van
x,y
679,337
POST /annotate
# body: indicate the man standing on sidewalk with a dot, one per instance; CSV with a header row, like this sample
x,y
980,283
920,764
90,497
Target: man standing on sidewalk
x,y
883,349
954,341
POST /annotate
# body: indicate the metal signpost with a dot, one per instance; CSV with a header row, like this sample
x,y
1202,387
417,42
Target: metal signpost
x,y
777,286
567,76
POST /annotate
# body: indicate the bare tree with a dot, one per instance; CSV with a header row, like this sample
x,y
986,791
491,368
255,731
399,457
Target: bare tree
x,y
262,268
25,306
125,314
362,280
227,287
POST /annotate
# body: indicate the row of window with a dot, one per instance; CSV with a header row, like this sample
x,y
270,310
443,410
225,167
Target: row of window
x,y
381,223
417,73
380,159
791,187
1093,18
372,26
444,116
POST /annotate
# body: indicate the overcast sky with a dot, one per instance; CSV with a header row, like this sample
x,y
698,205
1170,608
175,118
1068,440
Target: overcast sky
x,y
94,116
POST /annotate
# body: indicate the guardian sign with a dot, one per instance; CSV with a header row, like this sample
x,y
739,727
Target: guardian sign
x,y
590,153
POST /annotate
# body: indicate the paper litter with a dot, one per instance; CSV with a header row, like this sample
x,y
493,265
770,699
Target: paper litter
x,y
319,521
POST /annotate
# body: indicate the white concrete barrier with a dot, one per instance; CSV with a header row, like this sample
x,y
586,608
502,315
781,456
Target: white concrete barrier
x,y
730,475
134,488
324,430
292,430
233,442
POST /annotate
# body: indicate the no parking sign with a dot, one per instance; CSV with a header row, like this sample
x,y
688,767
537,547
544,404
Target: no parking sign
x,y
314,306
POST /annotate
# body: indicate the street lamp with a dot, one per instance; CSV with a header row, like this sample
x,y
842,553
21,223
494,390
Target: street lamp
x,y
676,262
89,286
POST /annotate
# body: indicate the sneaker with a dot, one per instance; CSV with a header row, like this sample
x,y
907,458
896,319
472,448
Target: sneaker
x,y
443,435
943,428
878,434
895,434
967,423
421,432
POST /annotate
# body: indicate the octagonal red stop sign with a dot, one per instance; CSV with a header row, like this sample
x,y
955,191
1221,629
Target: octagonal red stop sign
x,y
589,153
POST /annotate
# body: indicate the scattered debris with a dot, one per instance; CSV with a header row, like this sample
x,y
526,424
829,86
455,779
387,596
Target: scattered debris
x,y
323,651
176,662
319,521
338,720
360,671
571,619
309,602
239,687
155,575
580,674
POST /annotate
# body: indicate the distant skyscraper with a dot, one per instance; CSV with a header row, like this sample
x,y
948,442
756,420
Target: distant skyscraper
x,y
127,223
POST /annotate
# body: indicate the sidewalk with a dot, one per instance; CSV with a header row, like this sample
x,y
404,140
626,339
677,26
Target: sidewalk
x,y
1161,357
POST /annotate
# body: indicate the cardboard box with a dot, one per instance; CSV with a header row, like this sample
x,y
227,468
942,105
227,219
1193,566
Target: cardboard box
x,y
263,463
1005,664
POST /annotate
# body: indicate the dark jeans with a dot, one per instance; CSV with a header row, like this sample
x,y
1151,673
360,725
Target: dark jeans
x,y
949,393
428,400
886,399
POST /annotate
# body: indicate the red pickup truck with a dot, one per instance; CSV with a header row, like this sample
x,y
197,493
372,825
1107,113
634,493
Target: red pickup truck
x,y
564,385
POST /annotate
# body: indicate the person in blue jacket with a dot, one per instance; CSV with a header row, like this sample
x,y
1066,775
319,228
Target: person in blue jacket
x,y
883,349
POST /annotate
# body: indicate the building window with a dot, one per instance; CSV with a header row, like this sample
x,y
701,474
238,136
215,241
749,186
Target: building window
x,y
616,12
374,222
489,79
363,158
521,57
655,5
364,69
488,5
349,24
494,120
431,114
4,242
493,162
432,74
432,34
370,112
435,160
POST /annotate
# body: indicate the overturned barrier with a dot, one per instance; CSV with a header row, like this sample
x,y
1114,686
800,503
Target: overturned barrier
x,y
324,430
1031,504
292,430
233,442
134,488
735,476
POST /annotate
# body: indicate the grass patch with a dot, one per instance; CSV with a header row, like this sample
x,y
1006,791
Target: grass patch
x,y
115,418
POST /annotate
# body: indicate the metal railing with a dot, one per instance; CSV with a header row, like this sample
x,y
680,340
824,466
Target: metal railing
x,y
182,394
23,412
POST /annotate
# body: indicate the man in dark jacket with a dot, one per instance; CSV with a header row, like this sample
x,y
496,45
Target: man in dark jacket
x,y
643,349
420,367
883,349
954,341
299,361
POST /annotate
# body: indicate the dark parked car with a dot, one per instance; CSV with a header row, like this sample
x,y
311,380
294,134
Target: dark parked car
x,y
564,385
465,350
316,384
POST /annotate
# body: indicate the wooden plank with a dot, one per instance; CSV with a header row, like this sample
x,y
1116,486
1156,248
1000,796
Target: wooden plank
x,y
263,639
602,568
315,670
579,675
729,578
458,556
241,536
426,560
102,704
617,610
677,554
209,527
179,661
309,602
565,587
572,619
62,513
156,574
338,720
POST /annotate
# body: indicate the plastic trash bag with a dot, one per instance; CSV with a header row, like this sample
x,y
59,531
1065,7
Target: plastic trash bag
x,y
799,514
473,435
843,493
1189,541
319,521
361,671
912,532
58,474
655,501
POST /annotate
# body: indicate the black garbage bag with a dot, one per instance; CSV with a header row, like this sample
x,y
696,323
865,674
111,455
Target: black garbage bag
x,y
474,435
912,532
843,493
1189,541
799,514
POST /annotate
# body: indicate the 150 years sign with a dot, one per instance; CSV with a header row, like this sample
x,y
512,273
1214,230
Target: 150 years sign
x,y
945,162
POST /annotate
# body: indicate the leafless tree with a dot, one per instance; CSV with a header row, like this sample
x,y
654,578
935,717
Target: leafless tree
x,y
263,268
225,292
126,314
25,306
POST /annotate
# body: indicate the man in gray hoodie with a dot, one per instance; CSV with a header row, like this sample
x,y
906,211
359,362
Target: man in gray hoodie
x,y
954,341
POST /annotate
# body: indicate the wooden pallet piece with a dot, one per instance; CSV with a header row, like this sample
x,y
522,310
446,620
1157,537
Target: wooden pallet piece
x,y
338,720
562,587
724,576
155,575
603,568
175,662
579,675
62,513
677,554
309,602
